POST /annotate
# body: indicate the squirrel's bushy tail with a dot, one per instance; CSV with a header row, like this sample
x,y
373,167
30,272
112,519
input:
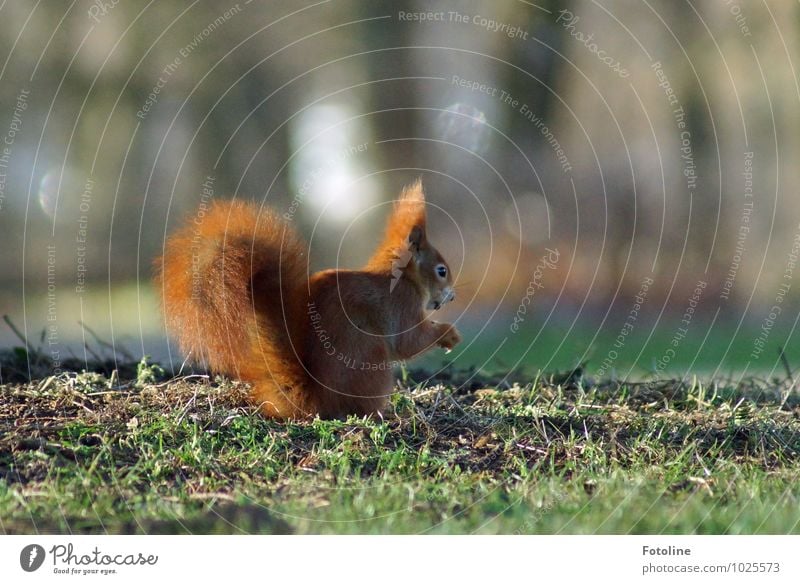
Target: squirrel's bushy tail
x,y
234,285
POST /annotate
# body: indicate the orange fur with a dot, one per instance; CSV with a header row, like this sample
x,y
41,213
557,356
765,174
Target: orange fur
x,y
236,294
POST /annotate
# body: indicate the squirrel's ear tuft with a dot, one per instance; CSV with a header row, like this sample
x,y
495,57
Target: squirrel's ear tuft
x,y
407,222
413,193
409,209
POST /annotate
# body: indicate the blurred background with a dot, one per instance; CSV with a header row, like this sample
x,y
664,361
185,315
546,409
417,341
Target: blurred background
x,y
615,181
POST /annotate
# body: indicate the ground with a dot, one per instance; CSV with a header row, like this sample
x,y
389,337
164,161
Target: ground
x,y
133,452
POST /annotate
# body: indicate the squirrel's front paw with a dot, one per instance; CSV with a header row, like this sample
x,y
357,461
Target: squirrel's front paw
x,y
449,337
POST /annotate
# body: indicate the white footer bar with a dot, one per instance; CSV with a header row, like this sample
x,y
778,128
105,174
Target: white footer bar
x,y
352,559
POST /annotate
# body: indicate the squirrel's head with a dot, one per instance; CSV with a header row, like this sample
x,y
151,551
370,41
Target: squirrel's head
x,y
413,256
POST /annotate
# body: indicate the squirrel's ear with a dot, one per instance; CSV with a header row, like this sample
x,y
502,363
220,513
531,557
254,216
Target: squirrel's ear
x,y
405,229
416,237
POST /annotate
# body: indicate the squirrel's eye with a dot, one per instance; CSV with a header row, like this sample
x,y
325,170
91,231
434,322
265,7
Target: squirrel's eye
x,y
441,271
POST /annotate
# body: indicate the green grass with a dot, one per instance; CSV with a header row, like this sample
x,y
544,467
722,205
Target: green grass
x,y
719,349
457,454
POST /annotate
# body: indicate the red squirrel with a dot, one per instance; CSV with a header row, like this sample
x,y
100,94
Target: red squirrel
x,y
236,294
